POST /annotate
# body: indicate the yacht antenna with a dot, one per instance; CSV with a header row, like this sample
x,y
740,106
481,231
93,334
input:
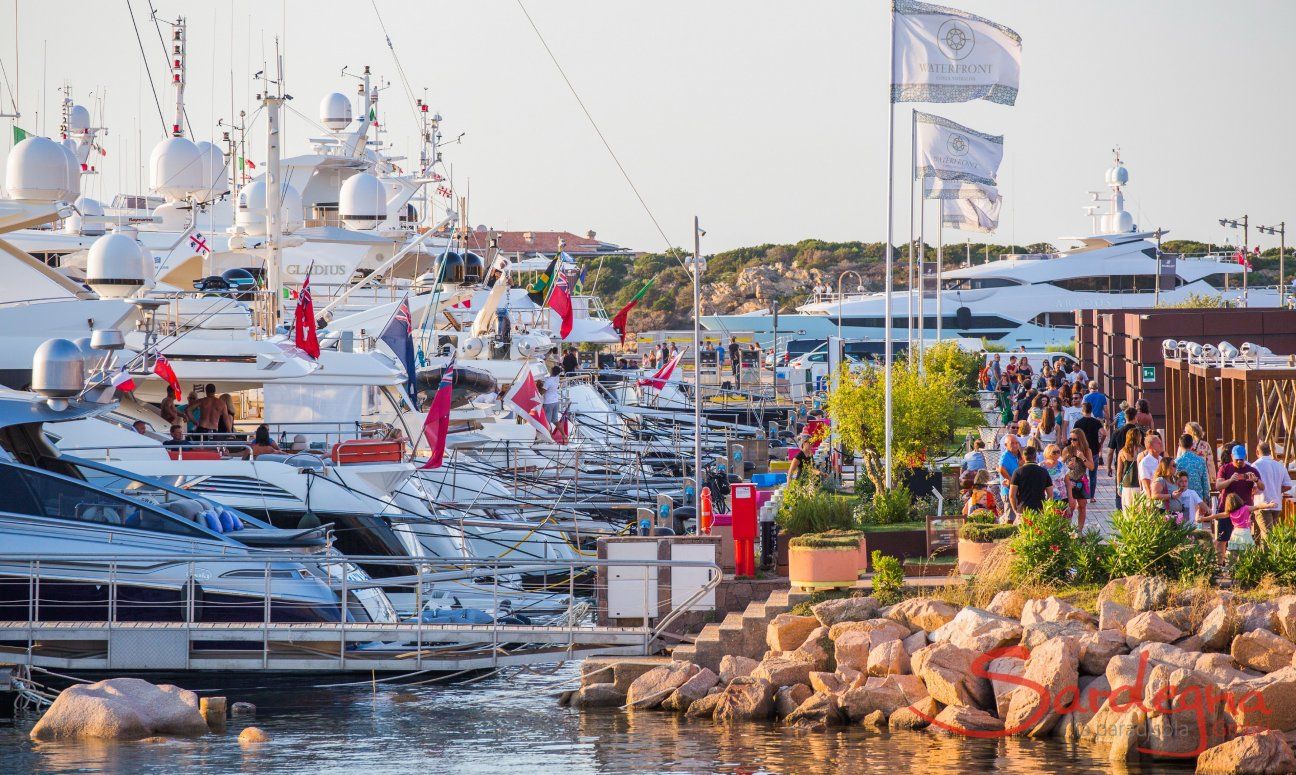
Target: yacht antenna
x,y
273,103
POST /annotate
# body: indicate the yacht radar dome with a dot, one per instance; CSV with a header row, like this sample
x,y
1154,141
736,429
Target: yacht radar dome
x,y
250,214
115,266
78,120
76,223
335,111
73,168
214,181
58,371
36,169
474,268
176,168
362,202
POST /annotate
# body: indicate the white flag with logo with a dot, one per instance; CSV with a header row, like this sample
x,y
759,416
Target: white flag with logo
x,y
945,55
935,188
950,151
972,214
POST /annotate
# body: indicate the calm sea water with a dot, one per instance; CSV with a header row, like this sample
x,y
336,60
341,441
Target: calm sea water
x,y
516,726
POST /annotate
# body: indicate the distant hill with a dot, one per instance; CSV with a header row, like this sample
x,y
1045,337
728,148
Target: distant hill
x,y
747,279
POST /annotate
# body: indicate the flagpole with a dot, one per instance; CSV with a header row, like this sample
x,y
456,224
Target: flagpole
x,y
940,260
697,370
890,257
913,164
921,312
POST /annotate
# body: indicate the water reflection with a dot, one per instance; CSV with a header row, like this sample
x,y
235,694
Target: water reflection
x,y
515,726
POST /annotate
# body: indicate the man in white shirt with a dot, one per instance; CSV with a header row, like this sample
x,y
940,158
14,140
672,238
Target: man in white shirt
x,y
1147,464
1275,481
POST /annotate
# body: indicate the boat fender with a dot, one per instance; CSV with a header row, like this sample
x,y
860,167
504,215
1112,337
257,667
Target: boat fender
x,y
234,519
963,317
227,519
211,521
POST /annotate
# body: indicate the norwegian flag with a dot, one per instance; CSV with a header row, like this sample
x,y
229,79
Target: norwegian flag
x,y
305,337
438,418
199,243
123,380
162,368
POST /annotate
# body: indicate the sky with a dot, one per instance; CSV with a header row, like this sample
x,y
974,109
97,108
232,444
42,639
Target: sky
x,y
766,119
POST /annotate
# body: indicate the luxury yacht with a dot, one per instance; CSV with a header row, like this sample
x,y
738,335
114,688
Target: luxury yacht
x,y
1029,300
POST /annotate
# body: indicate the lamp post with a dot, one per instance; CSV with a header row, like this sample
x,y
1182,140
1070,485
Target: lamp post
x,y
1244,224
1281,231
698,267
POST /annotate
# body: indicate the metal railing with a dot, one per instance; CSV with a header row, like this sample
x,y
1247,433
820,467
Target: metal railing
x,y
253,615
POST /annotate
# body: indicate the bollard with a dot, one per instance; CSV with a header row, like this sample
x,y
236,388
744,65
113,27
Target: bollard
x,y
213,712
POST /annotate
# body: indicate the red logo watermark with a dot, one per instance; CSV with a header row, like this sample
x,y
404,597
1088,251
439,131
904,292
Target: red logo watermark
x,y
1201,702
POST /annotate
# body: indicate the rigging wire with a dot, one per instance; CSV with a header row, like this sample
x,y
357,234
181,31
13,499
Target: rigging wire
x,y
400,69
670,248
144,61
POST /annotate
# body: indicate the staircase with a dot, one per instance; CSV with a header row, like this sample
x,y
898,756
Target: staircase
x,y
739,634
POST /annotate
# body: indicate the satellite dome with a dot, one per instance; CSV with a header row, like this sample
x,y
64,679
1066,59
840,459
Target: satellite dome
x,y
58,369
115,266
176,168
77,224
335,111
212,164
251,210
452,271
73,168
78,119
1120,222
474,268
36,169
362,203
1118,175
172,216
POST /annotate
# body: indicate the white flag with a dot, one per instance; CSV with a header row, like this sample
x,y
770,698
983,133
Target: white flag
x,y
945,55
935,188
952,152
971,214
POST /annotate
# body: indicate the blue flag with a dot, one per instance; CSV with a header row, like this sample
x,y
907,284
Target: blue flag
x,y
399,336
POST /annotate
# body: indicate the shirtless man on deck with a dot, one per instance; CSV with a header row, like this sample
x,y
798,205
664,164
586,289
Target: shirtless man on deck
x,y
211,410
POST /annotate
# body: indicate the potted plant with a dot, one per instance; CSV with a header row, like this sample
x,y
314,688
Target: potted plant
x,y
807,508
824,560
978,537
889,524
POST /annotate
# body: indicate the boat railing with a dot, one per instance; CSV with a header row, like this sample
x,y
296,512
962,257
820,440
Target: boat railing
x,y
267,610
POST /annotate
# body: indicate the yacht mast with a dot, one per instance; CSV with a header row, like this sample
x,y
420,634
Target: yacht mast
x,y
274,182
179,51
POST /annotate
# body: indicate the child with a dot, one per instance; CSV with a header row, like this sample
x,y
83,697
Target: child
x,y
1232,526
981,497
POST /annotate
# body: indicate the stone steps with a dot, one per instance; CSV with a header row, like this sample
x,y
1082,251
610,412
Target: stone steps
x,y
740,634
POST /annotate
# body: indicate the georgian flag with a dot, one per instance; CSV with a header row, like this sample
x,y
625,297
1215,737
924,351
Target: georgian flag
x,y
944,55
950,152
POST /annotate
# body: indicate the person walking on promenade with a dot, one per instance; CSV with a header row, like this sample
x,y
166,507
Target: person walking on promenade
x,y
1030,485
1097,401
1009,461
1203,448
1275,483
1081,467
1095,433
1191,464
1232,526
1118,441
996,371
1237,477
1144,414
1127,465
1154,450
735,363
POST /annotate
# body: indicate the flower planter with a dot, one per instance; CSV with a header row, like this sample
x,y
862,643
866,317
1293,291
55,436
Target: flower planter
x,y
823,568
972,553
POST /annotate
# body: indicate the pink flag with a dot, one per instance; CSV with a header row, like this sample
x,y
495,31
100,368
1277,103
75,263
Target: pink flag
x,y
560,301
438,418
524,399
304,335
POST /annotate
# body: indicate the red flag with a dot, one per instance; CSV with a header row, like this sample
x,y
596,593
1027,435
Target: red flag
x,y
562,429
122,380
163,369
304,334
438,418
560,301
659,379
623,317
525,401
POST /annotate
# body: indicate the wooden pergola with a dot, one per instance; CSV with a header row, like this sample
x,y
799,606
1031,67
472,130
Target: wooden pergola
x,y
1241,400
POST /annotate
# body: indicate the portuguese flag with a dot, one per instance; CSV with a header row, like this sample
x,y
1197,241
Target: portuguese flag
x,y
622,317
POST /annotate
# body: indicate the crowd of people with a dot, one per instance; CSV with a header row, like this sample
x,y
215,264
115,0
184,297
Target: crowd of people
x,y
1060,431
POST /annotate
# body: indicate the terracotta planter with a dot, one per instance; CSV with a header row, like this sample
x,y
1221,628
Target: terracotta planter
x,y
822,568
972,553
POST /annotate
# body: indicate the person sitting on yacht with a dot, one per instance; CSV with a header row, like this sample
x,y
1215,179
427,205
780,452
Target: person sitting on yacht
x,y
177,439
262,444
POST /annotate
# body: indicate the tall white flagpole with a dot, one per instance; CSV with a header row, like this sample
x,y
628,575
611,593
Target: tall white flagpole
x,y
940,259
890,257
913,164
922,282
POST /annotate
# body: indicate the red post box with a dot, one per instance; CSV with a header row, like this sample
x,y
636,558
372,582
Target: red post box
x,y
742,505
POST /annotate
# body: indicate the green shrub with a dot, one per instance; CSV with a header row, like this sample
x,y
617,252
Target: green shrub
x,y
1144,541
832,539
888,578
886,508
986,532
807,508
981,515
1092,559
1275,558
1043,550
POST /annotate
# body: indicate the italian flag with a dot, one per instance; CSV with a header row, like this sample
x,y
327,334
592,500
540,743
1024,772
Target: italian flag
x,y
622,317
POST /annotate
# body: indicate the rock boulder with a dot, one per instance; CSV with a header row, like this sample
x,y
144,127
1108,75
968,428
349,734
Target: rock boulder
x,y
1150,627
946,670
120,709
1262,650
849,609
786,632
921,613
1261,753
746,699
653,687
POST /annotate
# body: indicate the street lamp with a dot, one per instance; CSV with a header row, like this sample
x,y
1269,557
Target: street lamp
x,y
1281,231
1244,224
